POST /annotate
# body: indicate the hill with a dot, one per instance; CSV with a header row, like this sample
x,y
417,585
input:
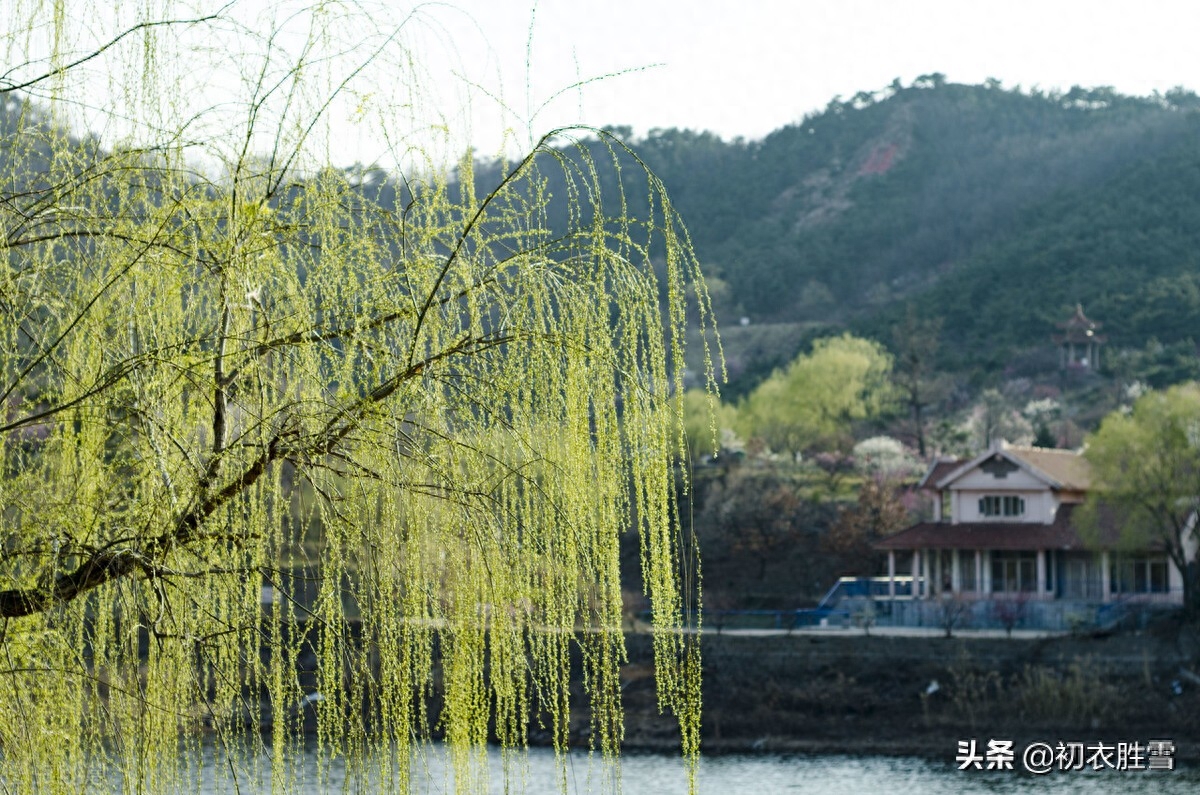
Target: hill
x,y
994,209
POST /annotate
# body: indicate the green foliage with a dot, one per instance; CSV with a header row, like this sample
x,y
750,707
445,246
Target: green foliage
x,y
1044,437
812,403
1146,474
707,423
992,210
699,423
256,418
1120,247
1155,364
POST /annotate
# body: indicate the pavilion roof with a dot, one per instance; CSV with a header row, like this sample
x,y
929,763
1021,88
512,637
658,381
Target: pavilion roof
x,y
1079,328
1079,320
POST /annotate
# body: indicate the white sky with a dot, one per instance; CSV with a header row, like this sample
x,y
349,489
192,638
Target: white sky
x,y
746,67
735,67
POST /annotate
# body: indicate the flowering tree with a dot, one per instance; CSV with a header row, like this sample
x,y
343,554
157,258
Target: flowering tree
x,y
257,406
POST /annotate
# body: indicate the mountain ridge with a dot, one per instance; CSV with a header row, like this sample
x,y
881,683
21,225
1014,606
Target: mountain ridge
x,y
995,209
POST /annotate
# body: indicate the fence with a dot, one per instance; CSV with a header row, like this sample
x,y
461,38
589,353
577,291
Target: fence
x,y
859,601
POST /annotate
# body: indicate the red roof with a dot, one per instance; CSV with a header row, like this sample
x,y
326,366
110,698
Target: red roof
x,y
939,469
1008,536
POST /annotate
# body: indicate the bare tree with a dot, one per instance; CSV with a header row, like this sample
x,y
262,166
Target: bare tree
x,y
1011,611
953,612
915,341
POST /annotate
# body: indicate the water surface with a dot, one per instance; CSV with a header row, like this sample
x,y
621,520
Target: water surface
x,y
652,774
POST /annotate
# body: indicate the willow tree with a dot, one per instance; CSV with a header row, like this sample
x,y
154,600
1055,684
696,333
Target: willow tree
x,y
1145,473
282,440
812,403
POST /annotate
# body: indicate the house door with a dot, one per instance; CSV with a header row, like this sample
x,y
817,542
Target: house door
x,y
1081,578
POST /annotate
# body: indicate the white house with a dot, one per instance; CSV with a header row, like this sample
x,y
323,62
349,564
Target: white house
x,y
1002,529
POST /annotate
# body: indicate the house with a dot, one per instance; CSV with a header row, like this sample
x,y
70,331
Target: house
x,y
1004,528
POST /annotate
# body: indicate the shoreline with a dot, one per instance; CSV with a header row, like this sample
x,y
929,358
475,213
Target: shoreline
x,y
919,694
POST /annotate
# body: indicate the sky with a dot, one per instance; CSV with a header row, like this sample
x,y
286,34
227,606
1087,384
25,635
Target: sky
x,y
747,67
499,73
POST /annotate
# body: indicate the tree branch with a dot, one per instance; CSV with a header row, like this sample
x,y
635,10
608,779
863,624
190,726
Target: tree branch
x,y
110,564
8,86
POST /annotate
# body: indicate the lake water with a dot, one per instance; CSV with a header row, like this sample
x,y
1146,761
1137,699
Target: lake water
x,y
648,774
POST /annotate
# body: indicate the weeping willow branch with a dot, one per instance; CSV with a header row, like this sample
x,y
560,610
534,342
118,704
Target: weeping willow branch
x,y
271,428
8,83
106,565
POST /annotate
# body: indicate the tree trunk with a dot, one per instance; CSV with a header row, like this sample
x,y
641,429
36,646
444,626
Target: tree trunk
x,y
1191,588
919,421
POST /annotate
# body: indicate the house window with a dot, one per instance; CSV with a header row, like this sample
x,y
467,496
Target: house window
x,y
1138,574
966,569
996,505
1014,572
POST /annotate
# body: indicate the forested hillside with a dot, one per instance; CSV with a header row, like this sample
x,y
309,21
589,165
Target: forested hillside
x,y
994,209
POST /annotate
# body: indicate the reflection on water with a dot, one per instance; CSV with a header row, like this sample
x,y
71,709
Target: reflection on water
x,y
650,774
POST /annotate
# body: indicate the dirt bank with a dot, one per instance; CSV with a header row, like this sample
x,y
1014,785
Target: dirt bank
x,y
849,693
